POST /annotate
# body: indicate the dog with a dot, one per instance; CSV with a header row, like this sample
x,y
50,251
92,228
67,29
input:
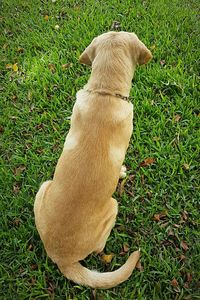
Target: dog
x,y
75,212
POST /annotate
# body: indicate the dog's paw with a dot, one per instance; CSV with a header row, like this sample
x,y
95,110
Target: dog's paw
x,y
122,173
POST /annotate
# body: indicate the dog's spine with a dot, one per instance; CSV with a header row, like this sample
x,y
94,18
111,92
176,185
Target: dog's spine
x,y
83,276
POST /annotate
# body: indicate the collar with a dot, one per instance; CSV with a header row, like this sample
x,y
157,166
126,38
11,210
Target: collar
x,y
125,98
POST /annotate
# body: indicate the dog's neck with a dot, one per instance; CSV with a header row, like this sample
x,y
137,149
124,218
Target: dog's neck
x,y
111,74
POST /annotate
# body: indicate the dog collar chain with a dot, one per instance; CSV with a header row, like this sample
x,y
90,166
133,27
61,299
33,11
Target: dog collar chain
x,y
125,98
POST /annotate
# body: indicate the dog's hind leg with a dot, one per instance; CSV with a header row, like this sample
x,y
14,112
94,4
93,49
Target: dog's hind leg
x,y
40,195
109,224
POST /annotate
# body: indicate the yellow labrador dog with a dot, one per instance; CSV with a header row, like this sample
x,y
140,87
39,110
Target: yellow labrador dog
x,y
75,211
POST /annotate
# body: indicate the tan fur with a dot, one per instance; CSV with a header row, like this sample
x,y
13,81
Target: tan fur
x,y
75,211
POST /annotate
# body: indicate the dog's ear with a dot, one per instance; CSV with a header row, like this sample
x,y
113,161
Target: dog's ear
x,y
144,54
88,54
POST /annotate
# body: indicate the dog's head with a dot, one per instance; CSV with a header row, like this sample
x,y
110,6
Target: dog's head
x,y
111,41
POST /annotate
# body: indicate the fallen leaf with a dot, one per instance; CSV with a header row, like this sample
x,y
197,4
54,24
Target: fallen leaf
x,y
19,170
15,67
186,167
186,285
20,49
163,225
30,247
174,282
184,215
153,47
189,277
52,68
126,247
184,245
142,179
9,66
156,138
176,225
65,66
116,25
34,267
162,62
16,188
5,46
147,161
139,266
46,17
107,258
182,257
177,118
16,222
158,217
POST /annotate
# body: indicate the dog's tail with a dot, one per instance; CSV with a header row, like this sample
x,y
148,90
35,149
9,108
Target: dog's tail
x,y
81,275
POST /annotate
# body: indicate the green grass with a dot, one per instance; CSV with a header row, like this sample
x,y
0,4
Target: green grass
x,y
35,107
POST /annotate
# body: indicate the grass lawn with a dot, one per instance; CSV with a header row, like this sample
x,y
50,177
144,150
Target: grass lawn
x,y
40,76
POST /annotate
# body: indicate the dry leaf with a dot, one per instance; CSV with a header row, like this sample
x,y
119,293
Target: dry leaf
x,y
139,266
189,277
185,215
52,68
182,257
19,170
9,66
20,50
184,245
126,247
46,17
16,222
174,282
186,166
153,47
162,62
15,67
107,258
16,188
147,161
30,247
116,25
177,118
156,138
65,66
158,217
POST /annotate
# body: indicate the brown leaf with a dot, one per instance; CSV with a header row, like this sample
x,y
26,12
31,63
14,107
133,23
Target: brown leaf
x,y
19,170
9,66
34,267
163,225
107,258
158,217
121,187
16,188
147,161
182,257
189,277
126,248
177,118
186,285
30,247
174,282
1,129
139,266
66,66
162,62
16,222
52,68
46,17
142,179
184,245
